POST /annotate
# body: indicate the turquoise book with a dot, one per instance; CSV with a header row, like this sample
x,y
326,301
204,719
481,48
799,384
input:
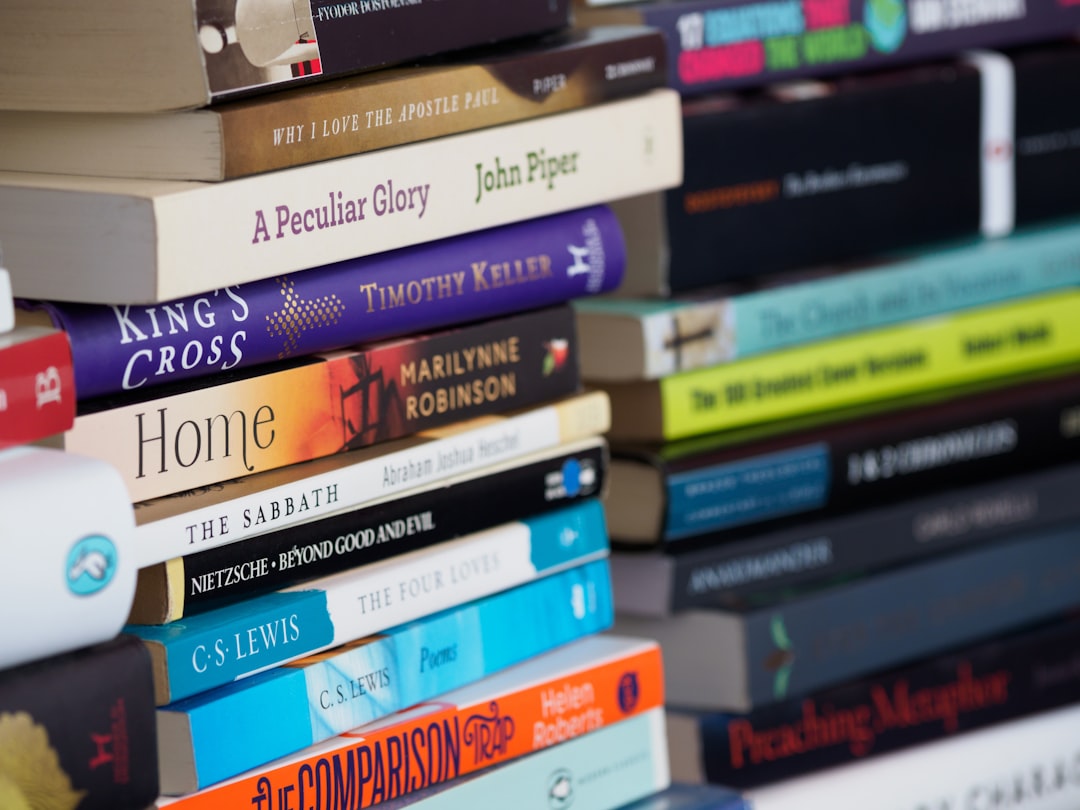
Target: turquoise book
x,y
196,654
643,339
250,722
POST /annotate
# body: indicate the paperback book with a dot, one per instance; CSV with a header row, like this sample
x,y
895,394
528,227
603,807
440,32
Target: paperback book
x,y
231,511
500,84
131,241
495,272
570,693
172,439
232,642
793,644
531,485
229,730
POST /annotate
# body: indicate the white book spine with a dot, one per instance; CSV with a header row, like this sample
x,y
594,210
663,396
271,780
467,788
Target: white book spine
x,y
1029,764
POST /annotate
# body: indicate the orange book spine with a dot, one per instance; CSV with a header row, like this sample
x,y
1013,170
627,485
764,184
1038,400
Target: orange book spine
x,y
438,741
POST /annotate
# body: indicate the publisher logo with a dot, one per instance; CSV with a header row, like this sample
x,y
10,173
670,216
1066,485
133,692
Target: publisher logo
x,y
886,23
576,477
91,565
629,692
560,790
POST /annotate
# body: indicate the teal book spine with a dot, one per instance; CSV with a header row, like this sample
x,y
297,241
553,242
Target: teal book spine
x,y
253,721
697,331
214,648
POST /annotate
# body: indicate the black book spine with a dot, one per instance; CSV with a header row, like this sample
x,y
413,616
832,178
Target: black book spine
x,y
760,566
233,572
1034,670
80,730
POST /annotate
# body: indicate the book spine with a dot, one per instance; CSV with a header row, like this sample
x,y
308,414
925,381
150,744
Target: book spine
x,y
234,641
827,549
37,385
495,272
981,344
336,39
472,737
418,104
73,563
883,460
98,752
1033,758
717,44
236,510
281,222
908,613
318,698
331,404
1001,680
276,560
932,283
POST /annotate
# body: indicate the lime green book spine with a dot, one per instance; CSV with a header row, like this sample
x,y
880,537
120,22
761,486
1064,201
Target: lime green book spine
x,y
975,345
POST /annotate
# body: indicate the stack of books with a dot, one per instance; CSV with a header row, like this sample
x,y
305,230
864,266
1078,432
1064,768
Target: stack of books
x,y
321,371
844,377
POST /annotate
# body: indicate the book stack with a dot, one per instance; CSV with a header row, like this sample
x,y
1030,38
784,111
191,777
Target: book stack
x,y
844,374
313,270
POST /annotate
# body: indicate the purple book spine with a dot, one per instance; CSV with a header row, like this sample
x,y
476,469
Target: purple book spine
x,y
499,271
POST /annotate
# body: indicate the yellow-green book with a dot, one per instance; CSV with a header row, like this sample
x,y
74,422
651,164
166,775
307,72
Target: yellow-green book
x,y
971,346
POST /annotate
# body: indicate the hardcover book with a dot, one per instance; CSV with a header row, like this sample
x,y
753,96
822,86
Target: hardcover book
x,y
602,770
37,385
1005,678
94,752
648,338
890,162
207,517
232,642
498,271
169,440
69,575
572,692
231,729
127,56
753,565
1030,758
129,241
793,644
514,81
725,44
460,505
848,460
1030,334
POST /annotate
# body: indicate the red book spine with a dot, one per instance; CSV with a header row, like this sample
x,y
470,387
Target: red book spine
x,y
37,385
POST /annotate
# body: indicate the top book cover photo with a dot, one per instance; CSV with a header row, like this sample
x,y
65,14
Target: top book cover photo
x,y
130,56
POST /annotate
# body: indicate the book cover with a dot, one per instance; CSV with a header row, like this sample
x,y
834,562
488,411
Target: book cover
x,y
230,511
495,272
668,493
726,44
500,84
1031,759
229,730
648,338
37,385
168,440
995,341
461,505
787,647
190,54
210,649
78,729
69,574
145,241
723,570
562,695
1005,678
892,161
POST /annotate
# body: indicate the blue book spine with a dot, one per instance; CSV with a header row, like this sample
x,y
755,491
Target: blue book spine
x,y
251,722
217,647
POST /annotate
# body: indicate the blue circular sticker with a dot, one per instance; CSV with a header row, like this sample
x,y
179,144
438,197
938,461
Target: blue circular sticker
x,y
91,565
